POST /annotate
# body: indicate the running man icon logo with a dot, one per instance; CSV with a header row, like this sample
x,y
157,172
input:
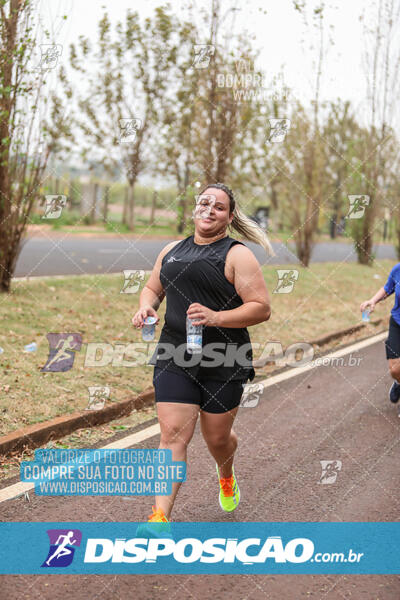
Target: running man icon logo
x,y
251,394
203,54
279,129
286,280
49,56
204,203
62,351
97,396
128,130
54,206
358,204
132,281
330,470
61,551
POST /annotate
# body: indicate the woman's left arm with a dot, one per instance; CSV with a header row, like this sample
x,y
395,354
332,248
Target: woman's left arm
x,y
250,286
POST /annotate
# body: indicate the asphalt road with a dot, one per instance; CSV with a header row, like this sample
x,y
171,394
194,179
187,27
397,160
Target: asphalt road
x,y
329,413
71,256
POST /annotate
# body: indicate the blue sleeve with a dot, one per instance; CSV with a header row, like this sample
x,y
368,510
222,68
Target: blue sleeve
x,y
390,284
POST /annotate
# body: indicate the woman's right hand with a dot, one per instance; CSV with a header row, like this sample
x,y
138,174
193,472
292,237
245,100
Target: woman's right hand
x,y
367,304
142,313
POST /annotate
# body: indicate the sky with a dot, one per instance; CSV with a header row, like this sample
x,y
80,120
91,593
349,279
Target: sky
x,y
278,34
277,30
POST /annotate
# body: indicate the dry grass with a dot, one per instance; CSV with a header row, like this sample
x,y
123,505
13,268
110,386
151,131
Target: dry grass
x,y
325,298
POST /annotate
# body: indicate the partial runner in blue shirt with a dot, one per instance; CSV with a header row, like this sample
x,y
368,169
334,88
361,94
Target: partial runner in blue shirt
x,y
392,343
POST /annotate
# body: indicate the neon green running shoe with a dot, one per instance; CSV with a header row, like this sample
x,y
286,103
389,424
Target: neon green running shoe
x,y
229,493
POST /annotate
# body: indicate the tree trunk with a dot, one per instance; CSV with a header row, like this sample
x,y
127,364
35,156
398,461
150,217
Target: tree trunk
x,y
105,204
183,194
9,250
181,212
131,209
365,251
93,206
364,238
304,252
153,207
125,209
364,247
333,226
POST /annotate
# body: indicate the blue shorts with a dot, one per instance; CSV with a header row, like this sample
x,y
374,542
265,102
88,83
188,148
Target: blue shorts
x,y
209,394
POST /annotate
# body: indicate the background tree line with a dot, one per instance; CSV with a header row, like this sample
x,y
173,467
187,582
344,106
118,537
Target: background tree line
x,y
150,102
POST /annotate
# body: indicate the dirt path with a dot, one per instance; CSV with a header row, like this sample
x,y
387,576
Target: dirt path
x,y
331,413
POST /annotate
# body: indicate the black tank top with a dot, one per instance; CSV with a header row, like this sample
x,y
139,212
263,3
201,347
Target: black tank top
x,y
190,273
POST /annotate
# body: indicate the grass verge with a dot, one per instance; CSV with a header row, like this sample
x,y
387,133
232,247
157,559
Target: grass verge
x,y
325,298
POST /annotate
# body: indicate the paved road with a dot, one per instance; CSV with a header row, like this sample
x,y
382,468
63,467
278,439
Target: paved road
x,y
330,413
40,256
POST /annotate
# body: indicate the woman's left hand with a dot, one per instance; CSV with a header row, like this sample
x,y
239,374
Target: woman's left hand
x,y
201,315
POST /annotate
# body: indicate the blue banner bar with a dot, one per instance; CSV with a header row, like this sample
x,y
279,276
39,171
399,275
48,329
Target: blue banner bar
x,y
200,548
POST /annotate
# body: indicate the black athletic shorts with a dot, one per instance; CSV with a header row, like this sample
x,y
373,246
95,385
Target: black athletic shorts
x,y
211,395
393,341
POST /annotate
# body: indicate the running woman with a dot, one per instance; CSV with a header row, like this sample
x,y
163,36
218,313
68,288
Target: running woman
x,y
217,282
392,343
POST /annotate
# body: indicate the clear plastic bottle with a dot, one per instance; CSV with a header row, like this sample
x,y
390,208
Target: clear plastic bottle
x,y
30,347
194,337
365,315
148,329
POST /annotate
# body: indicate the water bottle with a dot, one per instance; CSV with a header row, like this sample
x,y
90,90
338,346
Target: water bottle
x,y
148,329
194,337
30,347
365,315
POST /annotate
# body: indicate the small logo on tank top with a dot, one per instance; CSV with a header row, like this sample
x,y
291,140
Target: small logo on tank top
x,y
172,258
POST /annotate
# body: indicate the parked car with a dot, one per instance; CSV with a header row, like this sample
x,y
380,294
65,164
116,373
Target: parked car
x,y
261,216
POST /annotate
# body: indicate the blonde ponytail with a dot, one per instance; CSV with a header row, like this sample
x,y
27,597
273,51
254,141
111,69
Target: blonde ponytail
x,y
250,230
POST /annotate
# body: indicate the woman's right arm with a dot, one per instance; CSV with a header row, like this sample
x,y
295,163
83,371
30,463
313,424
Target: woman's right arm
x,y
153,292
380,295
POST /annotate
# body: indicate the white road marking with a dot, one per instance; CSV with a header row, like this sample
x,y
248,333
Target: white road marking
x,y
34,278
298,370
17,489
115,251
